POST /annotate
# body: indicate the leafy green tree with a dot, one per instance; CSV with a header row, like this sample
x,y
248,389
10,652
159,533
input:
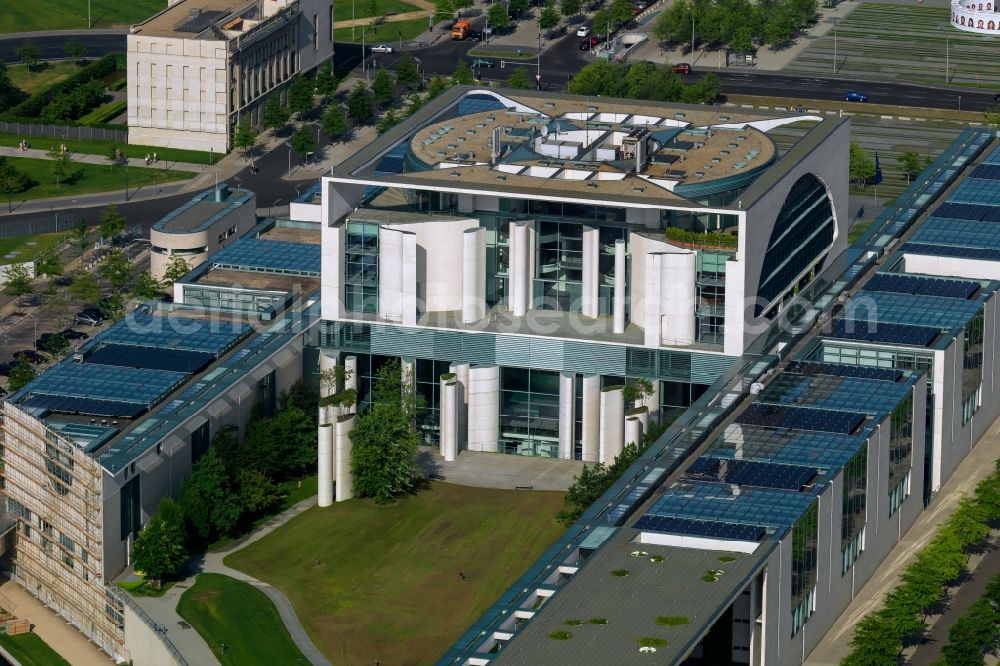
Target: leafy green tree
x,y
146,287
383,86
282,446
275,113
28,53
80,236
443,10
437,86
210,503
991,117
497,16
176,269
59,165
384,440
674,23
462,75
518,7
13,181
413,104
257,492
705,91
50,265
519,79
159,550
622,12
326,80
21,373
359,103
861,167
570,7
406,72
387,122
548,18
300,94
56,346
116,269
301,396
18,282
245,138
84,287
909,163
112,222
75,49
334,122
303,141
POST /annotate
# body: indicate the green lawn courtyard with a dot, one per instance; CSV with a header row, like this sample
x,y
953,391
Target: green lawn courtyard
x,y
384,33
373,582
358,9
239,623
104,148
46,75
30,650
86,178
22,248
72,14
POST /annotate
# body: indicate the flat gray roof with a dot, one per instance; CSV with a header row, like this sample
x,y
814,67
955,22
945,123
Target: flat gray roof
x,y
631,604
202,212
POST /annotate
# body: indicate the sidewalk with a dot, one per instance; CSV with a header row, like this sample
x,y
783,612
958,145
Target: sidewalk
x,y
163,610
835,645
62,637
86,158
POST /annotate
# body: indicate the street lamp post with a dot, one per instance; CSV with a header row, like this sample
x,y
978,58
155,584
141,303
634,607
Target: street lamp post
x,y
959,103
538,65
126,179
947,56
692,31
834,44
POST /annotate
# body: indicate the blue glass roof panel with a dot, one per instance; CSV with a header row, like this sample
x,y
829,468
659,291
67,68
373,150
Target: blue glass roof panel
x,y
823,450
920,284
839,370
958,233
801,418
831,392
716,502
876,331
174,332
83,406
976,191
988,171
701,528
923,311
85,381
131,356
751,473
987,254
270,256
993,157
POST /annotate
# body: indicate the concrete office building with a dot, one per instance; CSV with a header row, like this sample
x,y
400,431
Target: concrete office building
x,y
200,227
93,443
758,516
548,250
198,66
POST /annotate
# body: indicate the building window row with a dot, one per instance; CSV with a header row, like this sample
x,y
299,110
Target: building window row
x,y
805,547
900,453
853,510
972,366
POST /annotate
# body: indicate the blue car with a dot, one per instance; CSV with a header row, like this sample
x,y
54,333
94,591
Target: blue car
x,y
854,96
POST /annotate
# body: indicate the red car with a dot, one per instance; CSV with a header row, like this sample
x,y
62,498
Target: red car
x,y
681,68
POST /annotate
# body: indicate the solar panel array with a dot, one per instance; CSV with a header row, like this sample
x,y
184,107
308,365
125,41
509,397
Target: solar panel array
x,y
84,406
825,450
717,502
864,372
105,382
801,418
701,528
987,171
920,285
751,473
993,157
986,254
874,331
174,332
832,392
930,311
962,211
976,191
257,255
131,356
967,233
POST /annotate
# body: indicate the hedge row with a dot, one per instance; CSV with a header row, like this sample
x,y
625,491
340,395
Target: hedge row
x,y
879,637
712,238
975,632
32,107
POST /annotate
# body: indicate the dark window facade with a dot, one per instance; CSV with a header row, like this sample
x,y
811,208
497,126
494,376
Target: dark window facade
x,y
267,397
711,303
60,465
529,412
201,438
428,388
853,514
558,283
361,267
805,545
802,232
972,367
900,453
131,507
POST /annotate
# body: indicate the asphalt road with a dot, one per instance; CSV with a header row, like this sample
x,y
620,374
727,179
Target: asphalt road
x,y
51,44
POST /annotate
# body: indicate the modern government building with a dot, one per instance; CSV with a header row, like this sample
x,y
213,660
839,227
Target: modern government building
x,y
557,274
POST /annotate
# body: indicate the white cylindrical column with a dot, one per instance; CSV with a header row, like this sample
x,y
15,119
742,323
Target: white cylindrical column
x,y
567,414
327,383
408,372
590,432
619,293
324,472
461,371
449,418
612,423
518,269
590,307
345,478
351,372
652,315
473,275
390,274
484,408
678,294
633,430
652,404
643,415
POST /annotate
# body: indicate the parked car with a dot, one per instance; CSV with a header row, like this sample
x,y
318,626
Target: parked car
x,y
641,5
5,369
143,309
681,68
583,31
89,317
382,48
854,96
585,45
29,355
483,62
71,334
